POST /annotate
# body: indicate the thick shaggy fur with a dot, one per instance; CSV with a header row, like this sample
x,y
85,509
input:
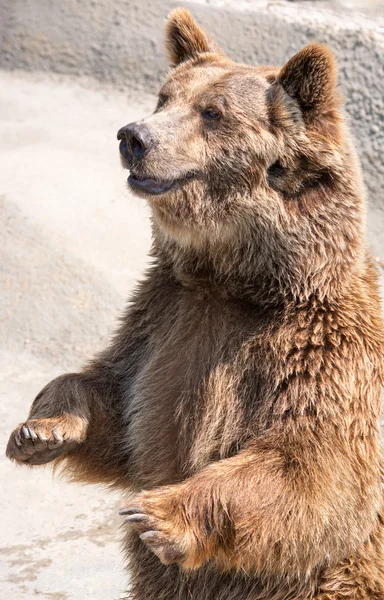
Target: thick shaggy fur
x,y
239,401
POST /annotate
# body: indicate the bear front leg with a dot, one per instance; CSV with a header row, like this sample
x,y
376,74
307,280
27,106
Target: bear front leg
x,y
263,509
76,419
56,425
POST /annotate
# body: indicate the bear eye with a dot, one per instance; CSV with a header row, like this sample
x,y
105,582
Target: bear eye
x,y
161,101
211,114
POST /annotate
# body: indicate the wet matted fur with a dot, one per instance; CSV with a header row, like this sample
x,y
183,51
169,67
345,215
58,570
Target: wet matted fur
x,y
239,400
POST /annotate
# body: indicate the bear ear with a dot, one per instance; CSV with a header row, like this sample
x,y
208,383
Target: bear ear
x,y
311,77
184,38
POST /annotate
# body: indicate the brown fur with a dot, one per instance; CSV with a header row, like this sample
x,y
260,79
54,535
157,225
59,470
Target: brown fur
x,y
239,401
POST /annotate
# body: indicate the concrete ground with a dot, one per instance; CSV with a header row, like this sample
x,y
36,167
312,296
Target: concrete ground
x,y
73,241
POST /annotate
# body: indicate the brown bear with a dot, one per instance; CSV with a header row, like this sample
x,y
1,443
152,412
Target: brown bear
x,y
239,401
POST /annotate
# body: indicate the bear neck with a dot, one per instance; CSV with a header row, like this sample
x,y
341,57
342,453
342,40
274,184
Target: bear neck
x,y
247,273
312,255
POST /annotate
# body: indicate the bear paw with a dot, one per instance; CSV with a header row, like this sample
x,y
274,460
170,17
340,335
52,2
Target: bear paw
x,y
39,441
169,545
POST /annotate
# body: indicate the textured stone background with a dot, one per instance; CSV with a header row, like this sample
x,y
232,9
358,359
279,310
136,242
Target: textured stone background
x,y
73,241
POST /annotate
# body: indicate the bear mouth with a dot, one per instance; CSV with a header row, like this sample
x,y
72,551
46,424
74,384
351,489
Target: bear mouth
x,y
155,187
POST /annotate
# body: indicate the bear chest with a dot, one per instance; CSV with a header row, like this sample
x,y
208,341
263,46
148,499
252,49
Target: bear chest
x,y
195,397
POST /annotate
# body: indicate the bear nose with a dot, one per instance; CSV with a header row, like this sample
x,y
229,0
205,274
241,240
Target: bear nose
x,y
136,139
